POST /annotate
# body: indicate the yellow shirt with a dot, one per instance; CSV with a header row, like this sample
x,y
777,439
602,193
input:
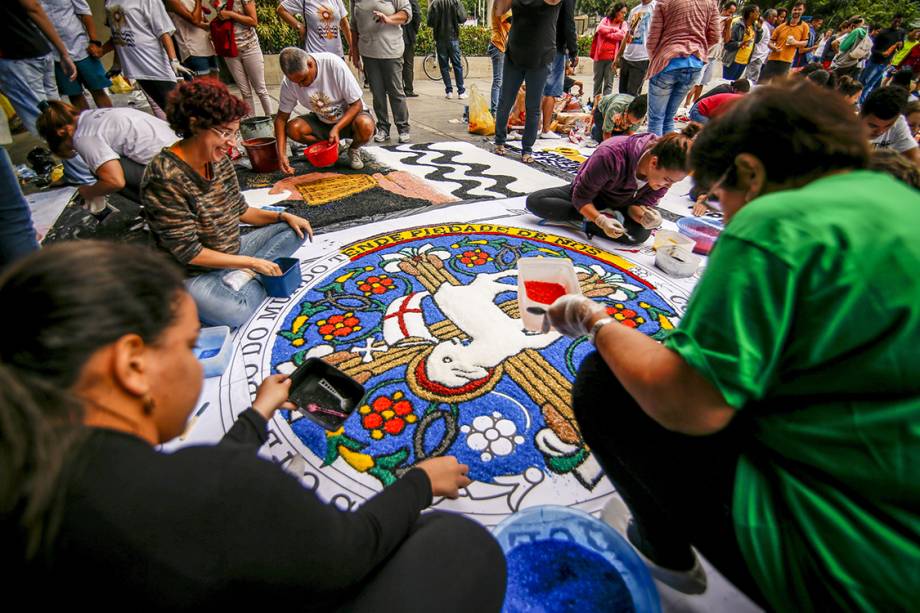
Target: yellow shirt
x,y
786,52
744,52
500,28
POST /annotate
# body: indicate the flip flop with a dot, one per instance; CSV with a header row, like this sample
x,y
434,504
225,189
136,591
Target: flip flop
x,y
499,150
527,158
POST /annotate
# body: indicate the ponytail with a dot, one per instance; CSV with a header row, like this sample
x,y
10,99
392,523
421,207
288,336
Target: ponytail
x,y
53,122
673,150
68,301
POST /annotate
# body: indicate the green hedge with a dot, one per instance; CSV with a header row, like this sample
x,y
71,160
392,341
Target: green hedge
x,y
275,35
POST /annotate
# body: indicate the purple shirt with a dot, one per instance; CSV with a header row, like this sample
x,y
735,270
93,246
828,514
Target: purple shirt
x,y
608,177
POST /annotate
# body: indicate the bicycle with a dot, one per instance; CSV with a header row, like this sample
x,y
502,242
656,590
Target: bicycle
x,y
433,71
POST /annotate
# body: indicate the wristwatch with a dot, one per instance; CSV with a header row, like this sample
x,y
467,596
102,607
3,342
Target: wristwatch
x,y
600,323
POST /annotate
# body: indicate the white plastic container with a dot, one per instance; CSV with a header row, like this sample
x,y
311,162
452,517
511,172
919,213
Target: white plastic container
x,y
557,271
677,261
664,238
213,350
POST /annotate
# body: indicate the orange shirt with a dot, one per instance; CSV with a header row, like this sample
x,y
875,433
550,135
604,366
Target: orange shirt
x,y
500,28
786,52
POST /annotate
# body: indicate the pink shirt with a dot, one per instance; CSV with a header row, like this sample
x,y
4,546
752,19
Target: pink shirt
x,y
681,28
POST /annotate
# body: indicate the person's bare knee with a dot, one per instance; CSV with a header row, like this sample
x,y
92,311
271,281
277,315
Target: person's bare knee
x,y
362,127
298,130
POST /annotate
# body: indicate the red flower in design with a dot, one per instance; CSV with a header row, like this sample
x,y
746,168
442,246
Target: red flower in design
x,y
376,285
474,257
338,326
625,316
387,414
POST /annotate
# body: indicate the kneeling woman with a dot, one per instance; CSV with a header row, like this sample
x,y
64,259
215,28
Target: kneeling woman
x,y
116,143
99,369
616,189
776,429
194,207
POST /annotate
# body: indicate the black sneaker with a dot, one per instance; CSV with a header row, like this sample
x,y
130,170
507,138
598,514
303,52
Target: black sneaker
x,y
411,95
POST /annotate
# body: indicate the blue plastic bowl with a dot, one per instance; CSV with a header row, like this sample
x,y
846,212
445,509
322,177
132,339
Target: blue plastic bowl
x,y
213,350
704,231
555,525
283,286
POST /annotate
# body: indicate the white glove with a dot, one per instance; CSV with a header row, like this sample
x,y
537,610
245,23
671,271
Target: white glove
x,y
649,219
790,39
572,314
611,226
180,70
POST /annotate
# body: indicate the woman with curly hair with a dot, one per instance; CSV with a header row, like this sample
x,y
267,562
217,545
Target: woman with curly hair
x,y
194,207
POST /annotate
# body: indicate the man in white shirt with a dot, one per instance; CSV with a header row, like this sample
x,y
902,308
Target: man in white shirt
x,y
323,84
883,115
761,49
634,61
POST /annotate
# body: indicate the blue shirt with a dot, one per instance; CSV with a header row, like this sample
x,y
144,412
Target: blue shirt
x,y
678,63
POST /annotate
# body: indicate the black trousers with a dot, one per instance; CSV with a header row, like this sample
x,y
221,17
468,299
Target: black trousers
x,y
555,204
632,74
157,90
447,563
408,67
678,488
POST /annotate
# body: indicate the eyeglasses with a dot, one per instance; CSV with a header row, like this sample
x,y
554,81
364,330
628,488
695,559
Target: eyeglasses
x,y
225,134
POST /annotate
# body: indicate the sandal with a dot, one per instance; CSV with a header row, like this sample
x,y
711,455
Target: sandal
x,y
527,158
499,150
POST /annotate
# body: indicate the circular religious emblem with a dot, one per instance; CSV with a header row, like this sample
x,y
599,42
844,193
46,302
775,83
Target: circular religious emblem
x,y
427,320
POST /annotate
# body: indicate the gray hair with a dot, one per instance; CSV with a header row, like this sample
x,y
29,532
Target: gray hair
x,y
293,60
770,13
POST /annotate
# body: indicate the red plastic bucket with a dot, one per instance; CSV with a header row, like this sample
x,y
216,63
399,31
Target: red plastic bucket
x,y
322,154
262,153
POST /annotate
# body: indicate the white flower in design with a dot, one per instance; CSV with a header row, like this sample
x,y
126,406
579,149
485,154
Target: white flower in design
x,y
493,436
411,253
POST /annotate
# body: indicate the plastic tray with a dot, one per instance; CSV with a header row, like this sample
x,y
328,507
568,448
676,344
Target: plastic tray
x,y
324,393
546,270
551,522
664,238
702,230
283,286
213,350
677,261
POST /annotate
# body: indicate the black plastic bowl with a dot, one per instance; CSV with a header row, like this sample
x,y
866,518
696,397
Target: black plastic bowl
x,y
324,393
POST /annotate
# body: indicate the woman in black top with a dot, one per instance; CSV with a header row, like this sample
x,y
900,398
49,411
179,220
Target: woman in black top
x,y
99,369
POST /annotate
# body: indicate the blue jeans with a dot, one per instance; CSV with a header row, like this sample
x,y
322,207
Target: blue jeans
x,y
28,82
17,234
512,77
870,77
695,115
666,90
498,62
221,305
449,53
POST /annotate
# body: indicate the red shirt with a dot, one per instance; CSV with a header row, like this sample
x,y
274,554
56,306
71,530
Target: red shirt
x,y
713,106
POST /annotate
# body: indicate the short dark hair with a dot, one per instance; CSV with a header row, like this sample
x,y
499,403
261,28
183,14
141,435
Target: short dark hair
x,y
799,3
848,86
819,77
638,107
205,100
729,3
748,10
741,85
895,164
885,103
673,149
615,8
903,77
826,135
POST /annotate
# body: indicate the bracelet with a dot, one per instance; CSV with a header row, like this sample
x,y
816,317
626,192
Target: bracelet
x,y
280,216
600,323
93,41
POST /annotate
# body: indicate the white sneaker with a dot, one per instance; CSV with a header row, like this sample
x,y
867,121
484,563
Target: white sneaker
x,y
381,136
550,135
404,137
354,159
448,95
616,514
463,96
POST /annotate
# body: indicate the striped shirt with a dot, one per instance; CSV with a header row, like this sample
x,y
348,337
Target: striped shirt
x,y
188,213
681,28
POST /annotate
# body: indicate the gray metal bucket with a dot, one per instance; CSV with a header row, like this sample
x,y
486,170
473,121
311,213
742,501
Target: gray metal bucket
x,y
259,126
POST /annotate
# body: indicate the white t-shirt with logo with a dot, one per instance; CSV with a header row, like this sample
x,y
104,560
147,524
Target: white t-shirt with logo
x,y
192,40
64,16
329,95
103,135
635,51
322,19
137,26
898,137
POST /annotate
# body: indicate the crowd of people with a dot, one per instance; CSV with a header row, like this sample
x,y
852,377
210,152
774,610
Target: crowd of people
x,y
787,397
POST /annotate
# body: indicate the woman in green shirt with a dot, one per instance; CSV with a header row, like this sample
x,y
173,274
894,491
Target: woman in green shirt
x,y
777,429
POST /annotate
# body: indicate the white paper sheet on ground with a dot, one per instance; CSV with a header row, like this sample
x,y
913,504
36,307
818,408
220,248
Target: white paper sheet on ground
x,y
259,198
47,206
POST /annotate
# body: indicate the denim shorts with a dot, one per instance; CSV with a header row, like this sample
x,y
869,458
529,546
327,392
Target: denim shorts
x,y
90,74
556,77
201,64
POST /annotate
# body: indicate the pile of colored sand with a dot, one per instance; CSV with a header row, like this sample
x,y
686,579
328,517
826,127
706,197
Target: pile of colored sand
x,y
557,576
